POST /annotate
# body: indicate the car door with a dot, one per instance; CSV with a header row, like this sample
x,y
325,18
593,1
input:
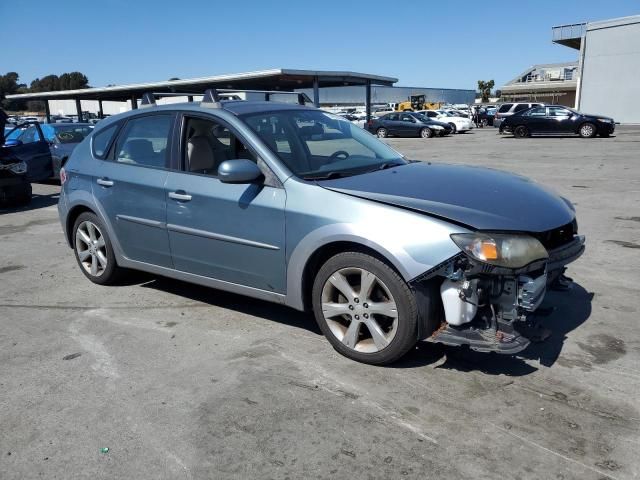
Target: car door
x,y
391,123
535,120
31,146
130,187
407,126
229,232
559,120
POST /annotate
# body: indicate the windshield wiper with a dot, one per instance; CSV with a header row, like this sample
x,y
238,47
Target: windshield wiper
x,y
327,176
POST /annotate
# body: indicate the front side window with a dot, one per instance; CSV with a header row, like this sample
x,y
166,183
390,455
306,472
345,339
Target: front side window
x,y
321,145
536,112
144,141
558,112
207,144
407,118
26,135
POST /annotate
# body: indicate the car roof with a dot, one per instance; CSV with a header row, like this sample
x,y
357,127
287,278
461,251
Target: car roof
x,y
235,107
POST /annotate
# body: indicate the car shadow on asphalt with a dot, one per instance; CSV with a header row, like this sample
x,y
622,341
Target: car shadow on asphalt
x,y
37,201
231,301
561,312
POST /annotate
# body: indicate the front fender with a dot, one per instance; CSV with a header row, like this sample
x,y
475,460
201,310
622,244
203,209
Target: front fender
x,y
408,257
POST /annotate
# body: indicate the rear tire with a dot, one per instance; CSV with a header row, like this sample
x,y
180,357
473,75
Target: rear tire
x,y
426,133
352,319
521,132
587,130
382,133
94,251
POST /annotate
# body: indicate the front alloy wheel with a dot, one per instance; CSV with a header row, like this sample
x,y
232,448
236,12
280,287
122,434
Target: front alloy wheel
x,y
588,130
364,308
360,310
426,133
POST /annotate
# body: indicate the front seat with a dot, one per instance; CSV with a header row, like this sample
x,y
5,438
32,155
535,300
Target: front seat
x,y
200,154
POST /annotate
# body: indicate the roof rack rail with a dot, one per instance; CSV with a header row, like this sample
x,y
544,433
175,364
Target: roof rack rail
x,y
213,96
149,98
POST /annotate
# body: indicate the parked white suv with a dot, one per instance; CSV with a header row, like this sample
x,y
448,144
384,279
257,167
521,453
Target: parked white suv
x,y
508,109
457,124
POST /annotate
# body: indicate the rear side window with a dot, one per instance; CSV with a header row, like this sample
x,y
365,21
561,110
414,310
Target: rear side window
x,y
505,107
102,140
520,107
144,141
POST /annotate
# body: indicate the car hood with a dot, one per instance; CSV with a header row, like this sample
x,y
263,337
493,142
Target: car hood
x,y
480,198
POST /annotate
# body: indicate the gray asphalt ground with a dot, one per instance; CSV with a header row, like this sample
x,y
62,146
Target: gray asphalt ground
x,y
180,381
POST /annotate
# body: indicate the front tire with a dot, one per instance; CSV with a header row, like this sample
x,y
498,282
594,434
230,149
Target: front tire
x,y
521,131
426,133
453,128
364,308
382,133
587,130
94,251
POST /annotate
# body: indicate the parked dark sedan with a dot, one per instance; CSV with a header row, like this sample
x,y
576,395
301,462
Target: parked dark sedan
x,y
556,119
45,148
406,124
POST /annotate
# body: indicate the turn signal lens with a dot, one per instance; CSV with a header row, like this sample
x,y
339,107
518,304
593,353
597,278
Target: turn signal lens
x,y
489,250
63,176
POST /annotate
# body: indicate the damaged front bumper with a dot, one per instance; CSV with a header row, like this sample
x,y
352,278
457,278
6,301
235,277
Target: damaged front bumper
x,y
487,307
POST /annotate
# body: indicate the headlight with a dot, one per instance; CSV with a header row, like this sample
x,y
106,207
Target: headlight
x,y
437,127
604,120
18,168
502,250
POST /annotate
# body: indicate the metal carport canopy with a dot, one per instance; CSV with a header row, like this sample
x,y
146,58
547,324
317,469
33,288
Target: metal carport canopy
x,y
275,79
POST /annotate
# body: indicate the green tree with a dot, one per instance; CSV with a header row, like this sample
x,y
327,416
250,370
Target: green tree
x,y
485,89
10,84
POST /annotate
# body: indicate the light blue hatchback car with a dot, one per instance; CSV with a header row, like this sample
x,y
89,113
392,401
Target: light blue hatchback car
x,y
290,204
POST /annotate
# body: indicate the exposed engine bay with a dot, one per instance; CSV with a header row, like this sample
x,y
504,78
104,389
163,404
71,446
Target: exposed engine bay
x,y
488,305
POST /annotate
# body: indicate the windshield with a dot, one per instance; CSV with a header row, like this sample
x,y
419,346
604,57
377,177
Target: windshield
x,y
67,133
315,144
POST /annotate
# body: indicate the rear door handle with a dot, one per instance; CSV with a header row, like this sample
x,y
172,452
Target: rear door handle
x,y
180,195
105,182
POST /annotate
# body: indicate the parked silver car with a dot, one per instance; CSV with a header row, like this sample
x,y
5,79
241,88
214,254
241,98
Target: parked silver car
x,y
507,109
291,204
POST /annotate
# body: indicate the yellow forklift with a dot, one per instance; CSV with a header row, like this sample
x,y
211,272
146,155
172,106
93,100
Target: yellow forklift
x,y
417,102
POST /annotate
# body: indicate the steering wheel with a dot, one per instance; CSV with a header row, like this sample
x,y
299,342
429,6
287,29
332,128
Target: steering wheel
x,y
337,154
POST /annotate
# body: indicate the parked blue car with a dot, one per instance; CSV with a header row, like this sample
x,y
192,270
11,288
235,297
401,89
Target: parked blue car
x,y
291,204
45,148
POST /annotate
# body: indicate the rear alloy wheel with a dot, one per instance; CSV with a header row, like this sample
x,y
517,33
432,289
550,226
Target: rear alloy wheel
x,y
364,308
521,131
453,128
381,132
426,133
587,130
93,250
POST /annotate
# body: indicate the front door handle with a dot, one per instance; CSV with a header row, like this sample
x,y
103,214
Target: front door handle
x,y
180,195
105,182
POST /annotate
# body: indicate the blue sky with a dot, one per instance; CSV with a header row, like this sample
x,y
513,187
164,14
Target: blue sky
x,y
422,42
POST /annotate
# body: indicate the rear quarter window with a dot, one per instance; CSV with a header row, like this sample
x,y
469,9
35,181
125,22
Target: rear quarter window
x,y
102,140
